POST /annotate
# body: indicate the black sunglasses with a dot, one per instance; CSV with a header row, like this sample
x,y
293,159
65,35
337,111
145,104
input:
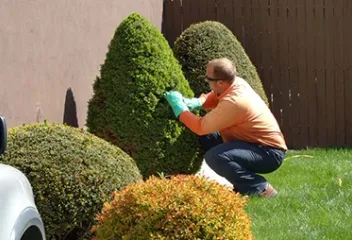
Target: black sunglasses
x,y
212,79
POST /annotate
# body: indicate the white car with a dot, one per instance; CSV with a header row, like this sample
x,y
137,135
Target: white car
x,y
19,216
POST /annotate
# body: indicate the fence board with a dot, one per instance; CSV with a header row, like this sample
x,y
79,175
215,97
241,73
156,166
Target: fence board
x,y
348,105
247,34
283,63
330,76
264,42
167,24
320,73
186,14
256,32
339,82
172,20
302,74
293,72
238,20
211,9
275,69
178,22
267,55
259,25
203,11
228,13
347,20
221,12
311,73
195,10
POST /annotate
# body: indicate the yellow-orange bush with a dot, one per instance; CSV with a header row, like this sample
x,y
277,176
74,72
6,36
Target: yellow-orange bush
x,y
182,207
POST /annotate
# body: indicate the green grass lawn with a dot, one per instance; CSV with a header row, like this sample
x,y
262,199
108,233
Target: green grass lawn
x,y
314,198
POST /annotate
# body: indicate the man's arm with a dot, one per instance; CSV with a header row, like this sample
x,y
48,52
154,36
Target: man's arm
x,y
208,101
223,116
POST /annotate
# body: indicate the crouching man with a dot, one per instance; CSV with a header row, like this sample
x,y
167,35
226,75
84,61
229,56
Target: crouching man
x,y
240,135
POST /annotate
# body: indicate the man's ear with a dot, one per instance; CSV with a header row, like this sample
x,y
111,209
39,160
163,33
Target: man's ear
x,y
220,82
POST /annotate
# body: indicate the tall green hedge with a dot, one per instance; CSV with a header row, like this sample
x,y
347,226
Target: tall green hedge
x,y
72,173
128,109
205,41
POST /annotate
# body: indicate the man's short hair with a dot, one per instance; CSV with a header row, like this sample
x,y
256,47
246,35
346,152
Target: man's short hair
x,y
223,69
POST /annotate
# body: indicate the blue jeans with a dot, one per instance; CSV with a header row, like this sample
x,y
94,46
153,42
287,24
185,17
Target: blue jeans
x,y
239,162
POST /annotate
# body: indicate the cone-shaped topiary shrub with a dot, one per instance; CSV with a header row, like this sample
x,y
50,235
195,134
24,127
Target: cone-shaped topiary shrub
x,y
205,41
182,207
72,173
128,108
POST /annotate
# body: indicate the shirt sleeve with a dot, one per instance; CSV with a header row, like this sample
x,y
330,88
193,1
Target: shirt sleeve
x,y
209,100
224,115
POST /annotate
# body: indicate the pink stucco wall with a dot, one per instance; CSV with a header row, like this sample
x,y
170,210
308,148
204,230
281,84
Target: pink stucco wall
x,y
48,47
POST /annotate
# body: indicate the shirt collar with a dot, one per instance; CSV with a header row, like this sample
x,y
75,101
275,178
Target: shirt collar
x,y
229,89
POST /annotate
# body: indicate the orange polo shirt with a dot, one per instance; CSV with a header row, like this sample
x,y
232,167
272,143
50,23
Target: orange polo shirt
x,y
238,114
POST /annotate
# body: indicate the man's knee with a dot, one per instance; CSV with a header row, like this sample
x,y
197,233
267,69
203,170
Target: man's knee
x,y
212,158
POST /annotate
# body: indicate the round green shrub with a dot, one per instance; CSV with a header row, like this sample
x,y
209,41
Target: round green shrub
x,y
208,40
128,108
72,173
182,207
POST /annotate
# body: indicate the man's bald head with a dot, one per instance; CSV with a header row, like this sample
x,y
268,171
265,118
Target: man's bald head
x,y
222,69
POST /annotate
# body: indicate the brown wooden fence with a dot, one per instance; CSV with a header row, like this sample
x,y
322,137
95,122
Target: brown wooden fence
x,y
302,51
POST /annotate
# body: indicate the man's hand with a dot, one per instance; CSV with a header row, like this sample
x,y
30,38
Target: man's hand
x,y
192,103
175,100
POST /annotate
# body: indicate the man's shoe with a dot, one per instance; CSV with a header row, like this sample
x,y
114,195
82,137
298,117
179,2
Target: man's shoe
x,y
269,191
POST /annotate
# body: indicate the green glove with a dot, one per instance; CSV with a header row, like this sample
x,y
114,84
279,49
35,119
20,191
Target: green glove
x,y
192,103
175,100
